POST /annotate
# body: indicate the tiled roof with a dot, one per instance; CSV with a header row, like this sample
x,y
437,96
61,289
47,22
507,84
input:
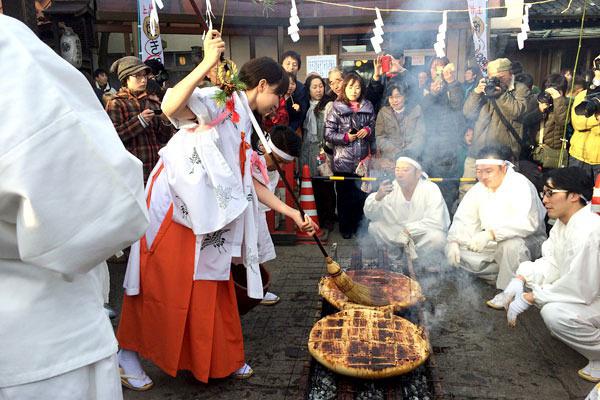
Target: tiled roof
x,y
555,9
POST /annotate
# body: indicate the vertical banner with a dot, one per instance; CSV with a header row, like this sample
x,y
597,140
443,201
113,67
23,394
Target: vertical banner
x,y
480,29
150,44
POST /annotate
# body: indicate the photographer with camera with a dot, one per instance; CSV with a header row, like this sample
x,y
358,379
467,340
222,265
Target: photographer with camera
x,y
497,106
585,116
548,122
158,78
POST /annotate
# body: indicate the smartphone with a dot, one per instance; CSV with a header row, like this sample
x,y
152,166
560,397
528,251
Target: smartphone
x,y
438,72
157,112
386,63
353,131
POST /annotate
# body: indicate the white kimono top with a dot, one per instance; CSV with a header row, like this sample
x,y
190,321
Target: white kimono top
x,y
513,210
569,269
202,178
70,197
266,249
425,211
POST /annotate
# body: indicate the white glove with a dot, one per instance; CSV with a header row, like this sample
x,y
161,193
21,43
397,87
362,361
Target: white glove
x,y
479,241
403,237
594,394
514,289
453,254
515,309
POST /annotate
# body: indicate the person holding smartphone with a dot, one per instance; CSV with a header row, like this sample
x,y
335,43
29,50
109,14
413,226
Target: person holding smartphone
x,y
136,114
350,128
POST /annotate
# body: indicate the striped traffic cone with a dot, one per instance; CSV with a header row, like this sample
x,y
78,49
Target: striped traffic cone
x,y
308,204
596,196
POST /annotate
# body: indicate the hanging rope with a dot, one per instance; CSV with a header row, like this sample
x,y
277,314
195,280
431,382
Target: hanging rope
x,y
564,136
223,16
417,11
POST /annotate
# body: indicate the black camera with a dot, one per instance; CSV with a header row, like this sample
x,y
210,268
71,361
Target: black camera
x,y
546,98
490,86
589,106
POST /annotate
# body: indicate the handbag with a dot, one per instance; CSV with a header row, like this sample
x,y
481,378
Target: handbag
x,y
545,155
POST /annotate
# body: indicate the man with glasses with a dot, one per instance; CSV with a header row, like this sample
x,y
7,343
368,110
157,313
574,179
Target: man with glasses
x,y
565,281
499,224
136,114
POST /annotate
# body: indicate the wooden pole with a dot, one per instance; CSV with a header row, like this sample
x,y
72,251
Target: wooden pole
x,y
136,38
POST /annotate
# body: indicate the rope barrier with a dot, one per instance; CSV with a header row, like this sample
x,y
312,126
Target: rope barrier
x,y
425,11
373,179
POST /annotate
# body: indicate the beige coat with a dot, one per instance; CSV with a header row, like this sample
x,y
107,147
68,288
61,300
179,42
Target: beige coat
x,y
406,137
489,129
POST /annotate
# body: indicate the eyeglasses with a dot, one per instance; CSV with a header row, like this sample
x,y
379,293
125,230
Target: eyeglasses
x,y
550,192
141,75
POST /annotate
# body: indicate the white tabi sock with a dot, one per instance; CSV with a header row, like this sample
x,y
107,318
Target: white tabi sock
x,y
129,361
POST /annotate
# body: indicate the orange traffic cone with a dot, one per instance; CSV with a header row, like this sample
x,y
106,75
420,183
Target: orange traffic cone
x,y
308,204
596,196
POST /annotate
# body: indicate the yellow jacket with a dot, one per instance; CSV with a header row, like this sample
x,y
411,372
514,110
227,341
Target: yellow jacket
x,y
585,143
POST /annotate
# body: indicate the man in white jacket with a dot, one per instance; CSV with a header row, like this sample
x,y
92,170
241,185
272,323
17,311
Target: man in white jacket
x,y
410,210
565,281
499,223
70,197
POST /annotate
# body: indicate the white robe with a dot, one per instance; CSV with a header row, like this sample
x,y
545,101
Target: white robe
x,y
266,248
514,212
563,273
570,297
425,216
70,197
565,282
202,178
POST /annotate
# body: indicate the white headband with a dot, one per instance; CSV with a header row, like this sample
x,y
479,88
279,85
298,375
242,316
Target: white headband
x,y
414,163
493,161
279,152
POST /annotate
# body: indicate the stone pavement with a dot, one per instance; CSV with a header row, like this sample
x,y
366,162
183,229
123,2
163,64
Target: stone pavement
x,y
477,355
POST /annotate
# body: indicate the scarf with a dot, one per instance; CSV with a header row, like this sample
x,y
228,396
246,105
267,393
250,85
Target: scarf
x,y
310,123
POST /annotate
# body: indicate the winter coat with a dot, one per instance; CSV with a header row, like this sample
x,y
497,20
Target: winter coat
x,y
301,97
553,123
340,121
489,129
406,137
585,143
445,128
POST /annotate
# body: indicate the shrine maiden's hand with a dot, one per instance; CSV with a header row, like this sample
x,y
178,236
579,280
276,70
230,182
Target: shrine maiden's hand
x,y
213,47
453,254
306,225
518,306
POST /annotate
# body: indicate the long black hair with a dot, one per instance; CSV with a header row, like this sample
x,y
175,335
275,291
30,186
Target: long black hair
x,y
325,99
265,68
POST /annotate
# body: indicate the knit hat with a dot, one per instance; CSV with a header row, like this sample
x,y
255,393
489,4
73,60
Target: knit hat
x,y
498,65
128,66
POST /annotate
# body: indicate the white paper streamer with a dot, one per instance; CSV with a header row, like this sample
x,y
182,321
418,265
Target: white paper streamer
x,y
209,17
522,36
293,29
156,4
377,39
440,44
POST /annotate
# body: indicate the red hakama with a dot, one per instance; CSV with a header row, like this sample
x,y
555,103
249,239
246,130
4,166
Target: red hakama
x,y
176,322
